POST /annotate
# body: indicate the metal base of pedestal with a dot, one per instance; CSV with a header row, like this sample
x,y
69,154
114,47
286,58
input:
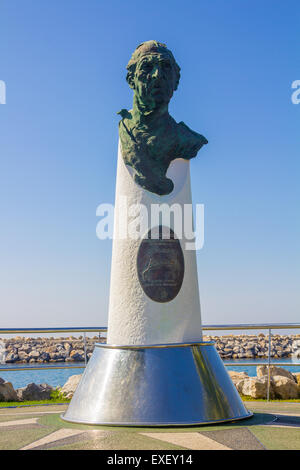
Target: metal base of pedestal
x,y
158,385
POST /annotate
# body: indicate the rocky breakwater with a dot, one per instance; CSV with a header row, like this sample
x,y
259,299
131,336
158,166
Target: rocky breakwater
x,y
254,346
42,350
39,350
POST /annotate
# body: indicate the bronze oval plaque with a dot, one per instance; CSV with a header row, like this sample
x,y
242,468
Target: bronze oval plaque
x,y
160,264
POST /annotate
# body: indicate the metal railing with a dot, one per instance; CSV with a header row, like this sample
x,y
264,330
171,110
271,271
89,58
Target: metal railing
x,y
259,326
84,330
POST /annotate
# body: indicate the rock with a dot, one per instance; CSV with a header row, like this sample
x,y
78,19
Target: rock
x,y
23,357
67,347
44,357
34,354
34,391
11,357
237,376
254,387
263,370
77,355
70,386
285,388
226,355
7,391
58,356
227,350
249,355
297,377
50,349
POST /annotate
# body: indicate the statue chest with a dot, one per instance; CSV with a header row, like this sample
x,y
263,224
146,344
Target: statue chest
x,y
158,145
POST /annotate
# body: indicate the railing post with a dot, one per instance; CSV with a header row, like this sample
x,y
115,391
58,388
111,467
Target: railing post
x,y
269,366
84,345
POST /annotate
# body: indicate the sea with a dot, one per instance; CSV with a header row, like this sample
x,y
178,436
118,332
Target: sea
x,y
58,377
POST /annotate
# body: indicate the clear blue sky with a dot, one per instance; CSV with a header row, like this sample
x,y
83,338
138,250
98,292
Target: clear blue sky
x,y
64,62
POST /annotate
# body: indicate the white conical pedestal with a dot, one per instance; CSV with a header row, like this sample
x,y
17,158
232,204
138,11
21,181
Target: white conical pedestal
x,y
134,318
154,370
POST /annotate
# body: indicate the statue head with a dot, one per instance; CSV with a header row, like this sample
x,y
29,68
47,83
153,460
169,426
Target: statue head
x,y
153,74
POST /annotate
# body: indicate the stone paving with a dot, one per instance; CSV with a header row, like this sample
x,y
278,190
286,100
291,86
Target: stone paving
x,y
274,425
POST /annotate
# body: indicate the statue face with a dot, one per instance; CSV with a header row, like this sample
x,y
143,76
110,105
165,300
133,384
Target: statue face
x,y
154,80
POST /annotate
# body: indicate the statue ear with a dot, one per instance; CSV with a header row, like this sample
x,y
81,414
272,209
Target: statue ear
x,y
129,78
177,71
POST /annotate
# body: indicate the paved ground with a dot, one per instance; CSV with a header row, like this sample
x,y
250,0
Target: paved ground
x,y
273,426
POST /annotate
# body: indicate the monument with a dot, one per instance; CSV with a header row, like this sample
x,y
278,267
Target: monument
x,y
155,369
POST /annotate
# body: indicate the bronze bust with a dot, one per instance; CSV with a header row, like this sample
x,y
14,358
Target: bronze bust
x,y
150,137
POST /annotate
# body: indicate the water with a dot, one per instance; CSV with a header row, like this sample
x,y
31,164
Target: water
x,y
58,377
251,370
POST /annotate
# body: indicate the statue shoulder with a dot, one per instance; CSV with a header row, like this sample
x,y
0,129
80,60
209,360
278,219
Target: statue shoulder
x,y
126,119
125,114
190,142
125,128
